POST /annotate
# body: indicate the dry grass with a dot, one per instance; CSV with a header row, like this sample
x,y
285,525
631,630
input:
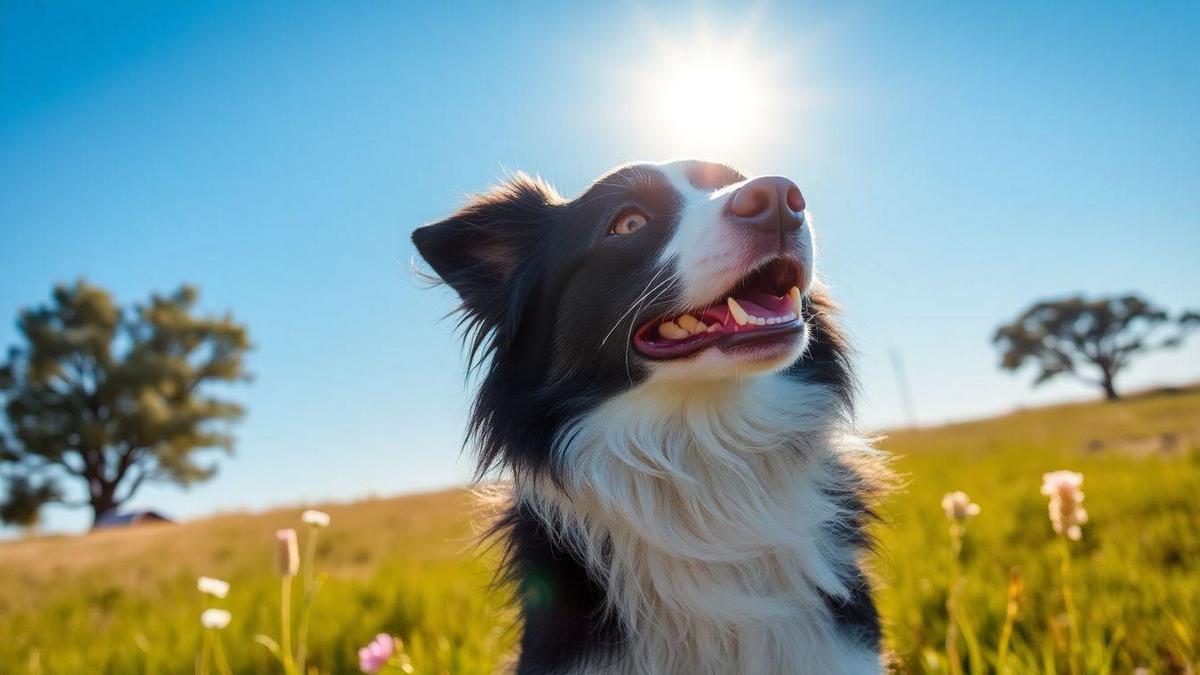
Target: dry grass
x,y
124,601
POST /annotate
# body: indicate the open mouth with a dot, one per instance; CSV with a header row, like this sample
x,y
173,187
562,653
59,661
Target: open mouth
x,y
763,307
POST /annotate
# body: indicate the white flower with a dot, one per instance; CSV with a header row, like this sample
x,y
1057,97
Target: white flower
x,y
1066,502
958,507
315,518
214,587
215,618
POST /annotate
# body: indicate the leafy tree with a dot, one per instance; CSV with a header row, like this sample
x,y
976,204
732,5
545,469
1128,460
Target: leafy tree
x,y
1090,340
111,399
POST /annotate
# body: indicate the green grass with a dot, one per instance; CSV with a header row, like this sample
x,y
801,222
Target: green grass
x,y
125,601
1135,575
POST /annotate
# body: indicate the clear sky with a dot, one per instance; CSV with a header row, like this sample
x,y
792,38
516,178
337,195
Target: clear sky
x,y
961,160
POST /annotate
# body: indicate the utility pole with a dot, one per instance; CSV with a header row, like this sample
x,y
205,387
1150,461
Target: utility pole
x,y
906,401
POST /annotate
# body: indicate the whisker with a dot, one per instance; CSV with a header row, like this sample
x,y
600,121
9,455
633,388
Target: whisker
x,y
633,306
629,339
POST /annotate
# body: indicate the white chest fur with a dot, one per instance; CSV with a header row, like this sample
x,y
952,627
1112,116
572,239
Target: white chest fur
x,y
706,510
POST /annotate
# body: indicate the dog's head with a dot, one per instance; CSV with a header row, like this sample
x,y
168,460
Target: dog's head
x,y
681,272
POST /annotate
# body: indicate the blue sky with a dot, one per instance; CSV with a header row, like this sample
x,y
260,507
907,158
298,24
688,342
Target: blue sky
x,y
960,161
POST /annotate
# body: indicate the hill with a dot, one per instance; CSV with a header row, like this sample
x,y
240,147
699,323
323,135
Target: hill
x,y
124,601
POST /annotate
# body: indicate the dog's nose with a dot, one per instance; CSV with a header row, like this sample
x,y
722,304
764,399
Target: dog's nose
x,y
769,203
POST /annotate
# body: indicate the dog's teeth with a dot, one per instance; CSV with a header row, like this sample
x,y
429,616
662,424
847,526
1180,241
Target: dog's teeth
x,y
795,295
701,328
671,331
739,314
714,328
790,317
771,321
689,323
758,320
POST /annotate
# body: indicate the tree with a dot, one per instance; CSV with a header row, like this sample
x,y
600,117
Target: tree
x,y
110,399
1090,340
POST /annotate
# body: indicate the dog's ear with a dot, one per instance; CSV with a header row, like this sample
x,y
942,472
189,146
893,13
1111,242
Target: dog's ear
x,y
484,251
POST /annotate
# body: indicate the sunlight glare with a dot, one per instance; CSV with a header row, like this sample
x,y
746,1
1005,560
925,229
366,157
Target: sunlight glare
x,y
708,98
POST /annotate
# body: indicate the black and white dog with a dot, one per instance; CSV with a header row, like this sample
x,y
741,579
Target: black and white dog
x,y
667,389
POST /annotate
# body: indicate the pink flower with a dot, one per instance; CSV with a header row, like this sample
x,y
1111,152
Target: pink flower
x,y
1066,502
289,552
376,654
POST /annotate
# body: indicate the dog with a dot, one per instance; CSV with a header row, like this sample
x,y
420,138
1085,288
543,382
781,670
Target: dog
x,y
661,378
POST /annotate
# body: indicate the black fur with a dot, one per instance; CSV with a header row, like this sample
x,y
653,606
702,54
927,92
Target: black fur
x,y
827,359
856,615
528,267
565,621
530,316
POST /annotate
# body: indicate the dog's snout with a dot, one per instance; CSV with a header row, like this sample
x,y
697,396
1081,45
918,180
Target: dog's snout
x,y
769,203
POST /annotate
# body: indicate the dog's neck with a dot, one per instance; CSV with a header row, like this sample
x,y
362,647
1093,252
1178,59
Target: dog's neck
x,y
714,513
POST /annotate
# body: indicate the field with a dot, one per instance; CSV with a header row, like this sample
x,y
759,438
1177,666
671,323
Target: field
x,y
1135,575
126,601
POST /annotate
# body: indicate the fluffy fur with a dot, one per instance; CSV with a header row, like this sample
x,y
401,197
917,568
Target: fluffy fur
x,y
711,517
661,519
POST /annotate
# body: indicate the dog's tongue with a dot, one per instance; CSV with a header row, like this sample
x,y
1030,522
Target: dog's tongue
x,y
763,304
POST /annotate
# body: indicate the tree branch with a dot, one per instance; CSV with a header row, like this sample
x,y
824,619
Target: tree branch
x,y
133,487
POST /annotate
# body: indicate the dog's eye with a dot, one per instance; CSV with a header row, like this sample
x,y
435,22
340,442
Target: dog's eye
x,y
628,223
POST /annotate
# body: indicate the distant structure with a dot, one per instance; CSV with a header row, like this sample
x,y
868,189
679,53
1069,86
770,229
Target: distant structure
x,y
111,520
910,412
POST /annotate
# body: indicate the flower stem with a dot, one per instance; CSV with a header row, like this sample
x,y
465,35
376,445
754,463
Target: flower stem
x,y
285,620
222,662
1073,645
952,653
205,652
310,555
1010,617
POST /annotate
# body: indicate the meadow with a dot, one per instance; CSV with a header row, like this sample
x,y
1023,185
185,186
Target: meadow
x,y
125,601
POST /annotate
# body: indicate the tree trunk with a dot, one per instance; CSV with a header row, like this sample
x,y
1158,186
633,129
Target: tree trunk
x,y
102,505
1110,390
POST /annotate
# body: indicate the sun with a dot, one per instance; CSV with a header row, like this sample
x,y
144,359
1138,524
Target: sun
x,y
708,98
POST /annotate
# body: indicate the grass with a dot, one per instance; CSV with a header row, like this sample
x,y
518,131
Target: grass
x,y
125,601
1135,575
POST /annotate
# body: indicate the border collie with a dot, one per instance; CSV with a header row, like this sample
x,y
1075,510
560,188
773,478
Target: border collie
x,y
663,381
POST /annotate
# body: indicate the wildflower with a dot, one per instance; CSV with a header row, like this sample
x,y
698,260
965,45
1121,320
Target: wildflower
x,y
315,518
1066,502
214,587
376,654
1067,515
289,552
215,618
958,507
